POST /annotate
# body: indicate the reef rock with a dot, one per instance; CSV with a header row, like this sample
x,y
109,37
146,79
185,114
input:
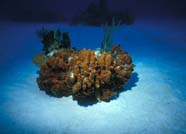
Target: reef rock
x,y
83,74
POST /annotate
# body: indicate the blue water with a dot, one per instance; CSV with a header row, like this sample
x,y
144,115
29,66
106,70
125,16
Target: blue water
x,y
154,100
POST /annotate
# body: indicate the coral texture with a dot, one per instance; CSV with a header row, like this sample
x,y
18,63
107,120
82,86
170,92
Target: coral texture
x,y
83,74
39,59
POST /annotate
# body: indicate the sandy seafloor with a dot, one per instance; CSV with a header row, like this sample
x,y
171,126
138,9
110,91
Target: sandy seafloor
x,y
154,100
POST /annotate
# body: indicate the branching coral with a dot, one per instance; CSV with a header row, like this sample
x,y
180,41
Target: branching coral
x,y
82,74
53,40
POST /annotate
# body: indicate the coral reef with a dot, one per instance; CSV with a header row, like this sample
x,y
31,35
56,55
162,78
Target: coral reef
x,y
83,75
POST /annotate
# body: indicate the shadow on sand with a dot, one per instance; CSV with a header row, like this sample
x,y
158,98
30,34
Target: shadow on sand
x,y
132,81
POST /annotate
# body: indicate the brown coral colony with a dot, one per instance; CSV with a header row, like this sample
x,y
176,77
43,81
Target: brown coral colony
x,y
83,74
